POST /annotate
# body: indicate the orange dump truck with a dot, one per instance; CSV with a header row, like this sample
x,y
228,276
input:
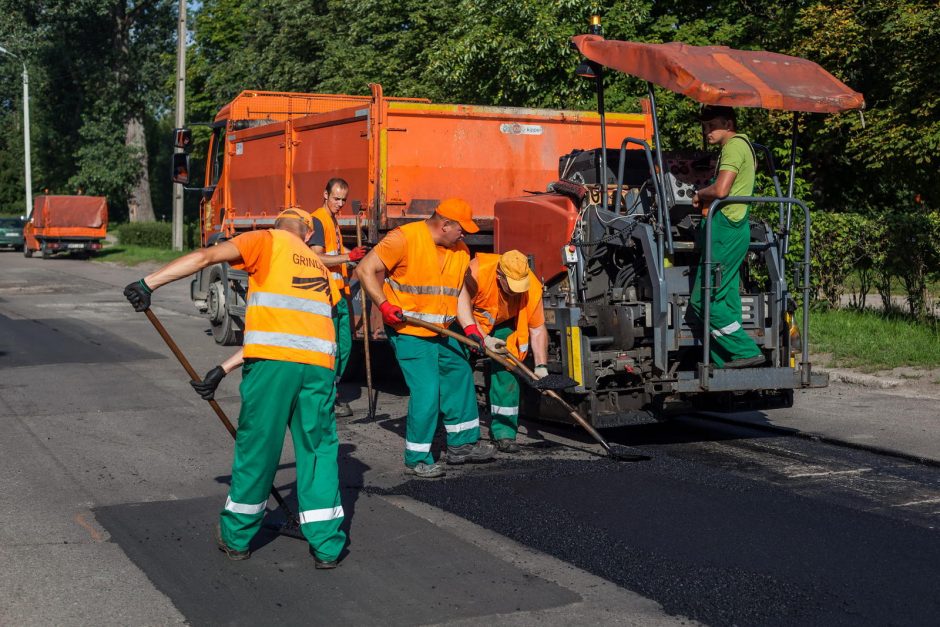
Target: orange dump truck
x,y
400,156
75,224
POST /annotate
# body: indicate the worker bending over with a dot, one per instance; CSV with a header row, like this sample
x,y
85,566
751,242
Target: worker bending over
x,y
327,242
417,270
289,353
731,346
500,306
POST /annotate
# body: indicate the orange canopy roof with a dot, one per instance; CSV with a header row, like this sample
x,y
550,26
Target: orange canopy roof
x,y
719,75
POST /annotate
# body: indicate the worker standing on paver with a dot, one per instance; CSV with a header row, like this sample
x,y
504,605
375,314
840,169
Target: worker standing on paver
x,y
327,242
731,346
289,353
500,306
418,270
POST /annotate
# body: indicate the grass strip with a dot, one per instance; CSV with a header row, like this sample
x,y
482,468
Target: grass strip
x,y
869,340
130,255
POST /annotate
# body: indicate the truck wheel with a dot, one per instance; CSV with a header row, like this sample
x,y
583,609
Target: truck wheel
x,y
224,328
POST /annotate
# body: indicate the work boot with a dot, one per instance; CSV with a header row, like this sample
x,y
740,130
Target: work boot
x,y
233,555
426,471
506,445
747,362
474,453
323,564
342,409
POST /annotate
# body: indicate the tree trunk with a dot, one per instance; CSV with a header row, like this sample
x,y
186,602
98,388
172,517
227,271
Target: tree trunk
x,y
139,203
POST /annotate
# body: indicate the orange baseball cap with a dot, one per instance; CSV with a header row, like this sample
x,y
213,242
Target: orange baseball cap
x,y
515,267
296,213
458,210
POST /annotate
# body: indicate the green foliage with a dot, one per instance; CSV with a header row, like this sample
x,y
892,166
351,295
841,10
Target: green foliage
x,y
155,234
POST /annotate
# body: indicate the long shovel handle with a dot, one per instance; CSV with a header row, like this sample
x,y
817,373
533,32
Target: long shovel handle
x,y
212,403
365,326
517,365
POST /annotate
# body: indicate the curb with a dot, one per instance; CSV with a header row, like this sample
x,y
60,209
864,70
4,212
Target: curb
x,y
857,378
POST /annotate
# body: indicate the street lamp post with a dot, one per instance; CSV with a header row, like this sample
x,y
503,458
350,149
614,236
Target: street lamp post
x,y
180,121
26,147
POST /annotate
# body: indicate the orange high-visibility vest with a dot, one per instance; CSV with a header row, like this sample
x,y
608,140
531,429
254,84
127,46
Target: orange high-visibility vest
x,y
425,289
486,305
333,245
289,314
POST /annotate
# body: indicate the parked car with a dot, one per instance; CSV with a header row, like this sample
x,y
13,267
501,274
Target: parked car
x,y
11,233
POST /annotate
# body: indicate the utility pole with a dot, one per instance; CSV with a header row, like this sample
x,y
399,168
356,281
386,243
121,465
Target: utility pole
x,y
26,147
180,121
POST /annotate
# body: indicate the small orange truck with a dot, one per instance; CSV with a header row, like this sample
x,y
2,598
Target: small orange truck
x,y
74,224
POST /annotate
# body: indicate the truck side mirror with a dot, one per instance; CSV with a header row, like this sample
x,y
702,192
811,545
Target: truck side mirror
x,y
183,138
180,173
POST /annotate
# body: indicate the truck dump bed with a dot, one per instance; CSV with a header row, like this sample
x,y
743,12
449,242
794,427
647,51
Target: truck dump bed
x,y
70,216
401,157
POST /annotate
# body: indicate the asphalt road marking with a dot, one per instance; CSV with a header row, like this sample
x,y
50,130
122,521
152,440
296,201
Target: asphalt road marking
x,y
829,473
87,526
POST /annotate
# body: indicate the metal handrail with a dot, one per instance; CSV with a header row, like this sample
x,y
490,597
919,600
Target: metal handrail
x,y
707,264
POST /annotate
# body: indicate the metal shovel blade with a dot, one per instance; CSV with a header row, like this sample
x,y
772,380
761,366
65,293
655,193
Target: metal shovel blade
x,y
626,453
289,528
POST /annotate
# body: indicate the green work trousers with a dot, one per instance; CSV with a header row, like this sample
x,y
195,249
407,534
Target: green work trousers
x,y
343,335
730,241
277,395
441,384
504,393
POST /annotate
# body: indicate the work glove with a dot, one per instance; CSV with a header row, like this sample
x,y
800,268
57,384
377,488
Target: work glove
x,y
541,371
391,314
358,253
473,333
495,344
206,388
138,294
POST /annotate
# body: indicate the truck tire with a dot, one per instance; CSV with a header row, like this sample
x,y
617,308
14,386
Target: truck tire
x,y
225,330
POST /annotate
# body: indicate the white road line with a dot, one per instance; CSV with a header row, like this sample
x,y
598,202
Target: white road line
x,y
828,473
936,500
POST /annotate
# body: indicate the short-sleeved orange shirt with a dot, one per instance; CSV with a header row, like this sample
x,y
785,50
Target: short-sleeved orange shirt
x,y
255,249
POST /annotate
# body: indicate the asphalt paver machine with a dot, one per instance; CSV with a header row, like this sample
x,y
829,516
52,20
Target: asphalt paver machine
x,y
615,241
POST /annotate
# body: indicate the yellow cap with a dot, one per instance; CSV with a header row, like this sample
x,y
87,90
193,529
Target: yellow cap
x,y
515,267
458,210
296,213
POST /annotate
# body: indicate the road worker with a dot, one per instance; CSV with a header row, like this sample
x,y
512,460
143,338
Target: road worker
x,y
289,355
500,306
327,242
417,270
731,346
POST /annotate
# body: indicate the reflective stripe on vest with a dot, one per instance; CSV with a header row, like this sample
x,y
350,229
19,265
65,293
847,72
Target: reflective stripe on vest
x,y
430,290
288,316
427,284
290,340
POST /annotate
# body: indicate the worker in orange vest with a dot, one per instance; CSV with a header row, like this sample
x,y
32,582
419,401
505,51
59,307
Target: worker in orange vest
x,y
418,270
500,307
289,353
327,241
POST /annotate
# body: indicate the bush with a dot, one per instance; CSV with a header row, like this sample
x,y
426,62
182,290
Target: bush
x,y
156,234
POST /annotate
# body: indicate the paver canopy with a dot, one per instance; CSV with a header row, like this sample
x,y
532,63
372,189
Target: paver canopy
x,y
718,75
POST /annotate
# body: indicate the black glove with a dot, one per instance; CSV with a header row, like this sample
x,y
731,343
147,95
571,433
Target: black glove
x,y
206,387
138,294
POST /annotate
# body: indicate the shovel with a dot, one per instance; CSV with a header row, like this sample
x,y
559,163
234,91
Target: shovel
x,y
614,451
291,527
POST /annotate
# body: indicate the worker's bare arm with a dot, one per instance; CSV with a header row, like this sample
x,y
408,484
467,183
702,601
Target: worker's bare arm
x,y
465,307
329,260
193,262
538,339
235,361
719,189
372,272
